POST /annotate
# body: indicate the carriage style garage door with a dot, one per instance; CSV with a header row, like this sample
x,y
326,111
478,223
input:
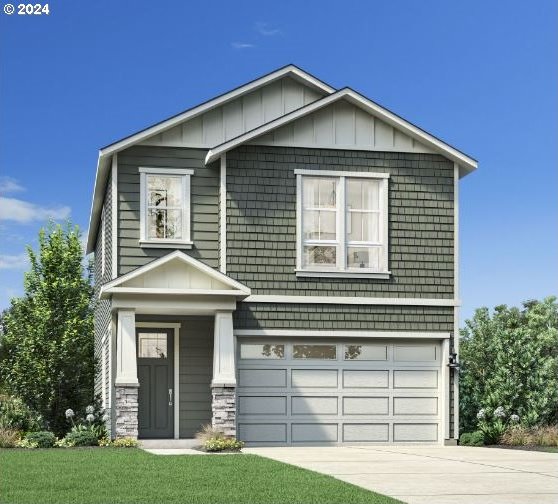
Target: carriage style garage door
x,y
340,391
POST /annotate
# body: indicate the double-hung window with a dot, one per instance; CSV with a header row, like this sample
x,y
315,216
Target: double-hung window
x,y
165,207
342,222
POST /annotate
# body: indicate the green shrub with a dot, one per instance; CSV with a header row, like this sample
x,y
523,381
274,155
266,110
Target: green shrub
x,y
9,438
475,438
16,415
43,439
25,443
81,438
126,442
222,444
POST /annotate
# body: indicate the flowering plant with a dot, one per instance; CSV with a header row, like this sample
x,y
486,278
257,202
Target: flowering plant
x,y
492,423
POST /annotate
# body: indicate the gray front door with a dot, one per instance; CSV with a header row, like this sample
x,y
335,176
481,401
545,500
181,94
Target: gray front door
x,y
156,390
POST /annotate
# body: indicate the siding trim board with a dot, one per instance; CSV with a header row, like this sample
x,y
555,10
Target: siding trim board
x,y
395,301
279,333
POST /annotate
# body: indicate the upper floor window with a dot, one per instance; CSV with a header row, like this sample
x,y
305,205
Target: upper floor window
x,y
342,222
165,207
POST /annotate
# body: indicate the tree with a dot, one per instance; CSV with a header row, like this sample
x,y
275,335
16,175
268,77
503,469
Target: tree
x,y
47,344
510,360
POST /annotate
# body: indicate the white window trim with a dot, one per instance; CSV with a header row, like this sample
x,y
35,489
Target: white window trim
x,y
103,243
185,174
341,270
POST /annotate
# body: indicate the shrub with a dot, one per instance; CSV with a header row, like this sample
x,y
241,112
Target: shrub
x,y
223,444
81,438
43,439
518,435
63,443
16,415
9,438
104,441
209,432
25,443
125,442
475,438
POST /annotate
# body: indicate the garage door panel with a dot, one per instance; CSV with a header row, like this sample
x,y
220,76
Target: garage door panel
x,y
415,405
415,353
308,405
314,432
413,432
263,432
365,405
262,405
365,433
262,378
323,378
365,352
365,379
415,378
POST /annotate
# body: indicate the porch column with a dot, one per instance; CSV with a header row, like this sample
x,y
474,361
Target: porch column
x,y
126,382
223,384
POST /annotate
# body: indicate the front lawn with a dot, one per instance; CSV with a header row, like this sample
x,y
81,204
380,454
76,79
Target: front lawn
x,y
108,475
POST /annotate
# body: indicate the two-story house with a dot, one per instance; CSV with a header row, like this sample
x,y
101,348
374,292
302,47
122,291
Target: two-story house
x,y
281,261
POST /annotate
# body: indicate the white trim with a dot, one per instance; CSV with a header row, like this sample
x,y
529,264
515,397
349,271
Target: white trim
x,y
177,254
298,222
354,300
103,242
184,176
114,214
348,273
445,392
456,293
172,292
166,171
340,173
468,163
301,333
223,215
176,369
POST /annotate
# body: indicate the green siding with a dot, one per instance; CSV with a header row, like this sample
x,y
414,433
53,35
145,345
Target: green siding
x,y
261,221
204,204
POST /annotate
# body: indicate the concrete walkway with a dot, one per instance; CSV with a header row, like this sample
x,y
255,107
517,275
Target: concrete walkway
x,y
434,475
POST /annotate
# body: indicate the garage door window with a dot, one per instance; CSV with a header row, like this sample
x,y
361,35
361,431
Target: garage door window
x,y
366,352
323,352
257,351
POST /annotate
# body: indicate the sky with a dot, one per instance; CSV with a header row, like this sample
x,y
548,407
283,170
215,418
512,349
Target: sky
x,y
480,75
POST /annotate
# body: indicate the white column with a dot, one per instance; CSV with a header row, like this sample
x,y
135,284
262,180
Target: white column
x,y
223,351
126,363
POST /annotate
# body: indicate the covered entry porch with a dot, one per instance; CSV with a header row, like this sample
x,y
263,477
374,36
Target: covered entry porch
x,y
174,363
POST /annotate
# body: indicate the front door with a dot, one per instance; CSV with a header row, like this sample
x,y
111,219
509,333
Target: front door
x,y
156,382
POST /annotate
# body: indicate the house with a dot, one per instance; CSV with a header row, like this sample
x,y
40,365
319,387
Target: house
x,y
280,261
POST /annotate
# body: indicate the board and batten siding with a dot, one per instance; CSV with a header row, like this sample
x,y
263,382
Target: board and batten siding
x,y
204,204
195,373
238,116
102,314
261,221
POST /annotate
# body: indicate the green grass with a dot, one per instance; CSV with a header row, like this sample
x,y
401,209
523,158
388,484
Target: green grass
x,y
108,475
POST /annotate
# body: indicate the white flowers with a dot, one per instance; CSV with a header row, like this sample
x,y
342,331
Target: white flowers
x,y
69,413
499,412
106,417
90,410
514,418
481,414
90,418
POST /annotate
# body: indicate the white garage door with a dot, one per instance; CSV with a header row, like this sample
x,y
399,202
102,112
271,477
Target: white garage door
x,y
341,391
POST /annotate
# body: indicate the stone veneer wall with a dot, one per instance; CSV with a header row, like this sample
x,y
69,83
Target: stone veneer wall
x,y
223,406
126,407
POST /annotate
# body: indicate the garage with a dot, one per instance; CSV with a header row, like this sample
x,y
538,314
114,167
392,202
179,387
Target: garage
x,y
300,391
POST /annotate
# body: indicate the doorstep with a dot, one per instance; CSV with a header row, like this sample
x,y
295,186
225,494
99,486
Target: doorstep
x,y
170,446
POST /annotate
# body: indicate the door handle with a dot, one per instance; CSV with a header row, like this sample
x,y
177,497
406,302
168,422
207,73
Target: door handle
x,y
170,397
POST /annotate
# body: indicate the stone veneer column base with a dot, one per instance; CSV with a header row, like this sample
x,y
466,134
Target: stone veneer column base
x,y
126,411
223,407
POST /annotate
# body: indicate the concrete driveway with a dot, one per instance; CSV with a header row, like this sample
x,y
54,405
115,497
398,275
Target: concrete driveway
x,y
434,475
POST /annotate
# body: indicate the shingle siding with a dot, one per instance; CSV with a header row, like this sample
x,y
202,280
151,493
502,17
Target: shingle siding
x,y
204,204
261,225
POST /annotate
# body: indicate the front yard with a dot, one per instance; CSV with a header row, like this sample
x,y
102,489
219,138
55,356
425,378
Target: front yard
x,y
108,475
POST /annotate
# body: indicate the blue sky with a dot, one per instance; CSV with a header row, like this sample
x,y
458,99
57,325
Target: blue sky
x,y
481,75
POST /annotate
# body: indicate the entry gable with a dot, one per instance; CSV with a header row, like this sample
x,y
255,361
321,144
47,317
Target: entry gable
x,y
176,273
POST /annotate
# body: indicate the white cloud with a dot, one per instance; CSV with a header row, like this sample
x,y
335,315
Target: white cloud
x,y
242,45
12,262
266,30
10,185
16,210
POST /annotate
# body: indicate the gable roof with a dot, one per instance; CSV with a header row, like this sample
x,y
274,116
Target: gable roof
x,y
187,276
106,153
466,162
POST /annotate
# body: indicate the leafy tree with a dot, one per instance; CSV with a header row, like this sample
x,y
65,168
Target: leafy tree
x,y
47,342
510,361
